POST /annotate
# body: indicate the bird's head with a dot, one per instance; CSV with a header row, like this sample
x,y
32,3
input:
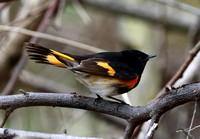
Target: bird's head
x,y
136,59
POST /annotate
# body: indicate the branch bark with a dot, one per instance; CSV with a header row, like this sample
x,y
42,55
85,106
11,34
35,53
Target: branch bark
x,y
10,133
136,115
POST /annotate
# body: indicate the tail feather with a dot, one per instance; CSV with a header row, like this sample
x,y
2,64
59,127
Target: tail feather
x,y
48,56
34,48
39,59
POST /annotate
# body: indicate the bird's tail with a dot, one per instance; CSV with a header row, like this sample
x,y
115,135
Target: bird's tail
x,y
48,56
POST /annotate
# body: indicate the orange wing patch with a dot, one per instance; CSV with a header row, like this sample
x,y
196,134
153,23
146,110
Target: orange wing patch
x,y
105,65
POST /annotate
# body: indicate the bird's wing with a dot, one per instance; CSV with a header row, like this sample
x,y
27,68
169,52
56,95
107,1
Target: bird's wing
x,y
100,66
96,66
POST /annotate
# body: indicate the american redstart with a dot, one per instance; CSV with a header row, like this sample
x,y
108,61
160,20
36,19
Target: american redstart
x,y
105,73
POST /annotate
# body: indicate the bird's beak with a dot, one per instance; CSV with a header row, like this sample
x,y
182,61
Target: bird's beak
x,y
151,56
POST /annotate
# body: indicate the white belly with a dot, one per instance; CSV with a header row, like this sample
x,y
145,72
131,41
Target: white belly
x,y
98,85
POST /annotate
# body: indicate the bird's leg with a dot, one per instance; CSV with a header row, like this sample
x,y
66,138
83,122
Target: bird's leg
x,y
97,99
121,101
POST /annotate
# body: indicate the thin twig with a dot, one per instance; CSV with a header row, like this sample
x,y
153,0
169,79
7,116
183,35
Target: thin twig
x,y
198,126
181,5
59,13
52,38
49,13
129,128
141,11
137,131
188,134
153,125
7,0
179,73
151,131
39,10
9,86
194,128
185,131
192,121
7,90
81,11
3,5
8,112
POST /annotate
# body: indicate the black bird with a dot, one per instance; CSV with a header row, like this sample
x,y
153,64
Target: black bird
x,y
105,73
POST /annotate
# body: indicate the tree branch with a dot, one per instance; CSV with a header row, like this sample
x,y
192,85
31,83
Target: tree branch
x,y
129,130
7,114
136,115
3,5
193,52
12,42
9,133
142,11
181,5
152,129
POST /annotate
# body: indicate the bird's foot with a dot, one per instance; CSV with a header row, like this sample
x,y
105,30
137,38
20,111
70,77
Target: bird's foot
x,y
99,98
121,101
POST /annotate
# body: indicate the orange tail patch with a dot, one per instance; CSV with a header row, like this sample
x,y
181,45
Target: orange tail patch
x,y
47,56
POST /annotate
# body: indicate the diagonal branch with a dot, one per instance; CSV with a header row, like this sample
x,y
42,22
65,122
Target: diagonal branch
x,y
186,63
152,129
7,114
178,74
51,37
129,130
7,90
